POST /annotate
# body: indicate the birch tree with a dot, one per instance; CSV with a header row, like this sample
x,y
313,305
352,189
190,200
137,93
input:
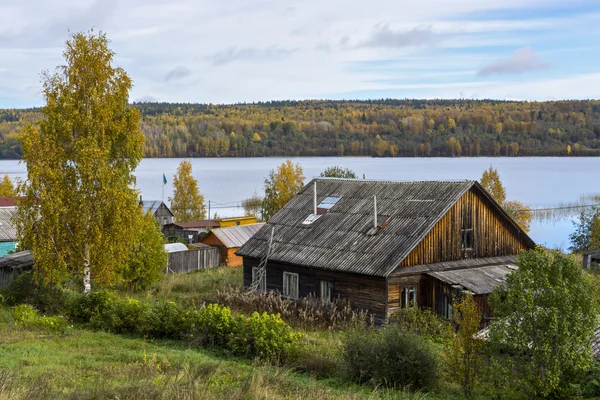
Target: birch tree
x,y
187,202
79,210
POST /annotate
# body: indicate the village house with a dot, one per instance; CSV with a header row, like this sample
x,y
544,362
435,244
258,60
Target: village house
x,y
229,239
194,231
159,210
386,245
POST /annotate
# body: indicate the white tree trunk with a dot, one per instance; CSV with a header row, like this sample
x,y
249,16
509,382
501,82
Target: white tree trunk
x,y
87,276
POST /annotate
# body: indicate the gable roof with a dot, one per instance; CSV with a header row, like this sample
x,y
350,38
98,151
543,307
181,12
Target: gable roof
x,y
340,239
153,206
236,236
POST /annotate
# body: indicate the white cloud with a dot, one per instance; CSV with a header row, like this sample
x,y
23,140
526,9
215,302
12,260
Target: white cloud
x,y
520,61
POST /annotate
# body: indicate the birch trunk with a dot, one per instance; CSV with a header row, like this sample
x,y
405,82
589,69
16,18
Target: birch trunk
x,y
87,276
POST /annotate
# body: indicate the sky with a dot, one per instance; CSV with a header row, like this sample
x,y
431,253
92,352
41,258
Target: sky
x,y
229,51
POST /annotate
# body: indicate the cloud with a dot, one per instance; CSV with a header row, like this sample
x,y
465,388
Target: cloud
x,y
385,37
177,74
146,99
249,54
520,61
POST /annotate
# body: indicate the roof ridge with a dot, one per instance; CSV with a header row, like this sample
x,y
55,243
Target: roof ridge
x,y
391,180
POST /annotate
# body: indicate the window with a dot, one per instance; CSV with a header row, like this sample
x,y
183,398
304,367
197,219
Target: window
x,y
262,287
408,296
290,285
466,243
326,291
327,204
447,310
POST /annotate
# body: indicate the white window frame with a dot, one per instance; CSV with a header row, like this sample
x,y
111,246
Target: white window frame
x,y
262,287
326,290
405,296
291,285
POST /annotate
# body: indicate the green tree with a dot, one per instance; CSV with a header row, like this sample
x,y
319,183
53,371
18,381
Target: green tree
x,y
79,210
253,205
338,172
462,358
545,319
280,187
148,258
187,202
587,231
7,189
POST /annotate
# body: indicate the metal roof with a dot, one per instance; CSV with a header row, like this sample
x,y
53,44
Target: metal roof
x,y
175,247
236,236
481,280
21,259
457,264
8,231
152,205
341,239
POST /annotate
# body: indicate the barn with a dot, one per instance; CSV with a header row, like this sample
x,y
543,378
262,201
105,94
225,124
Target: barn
x,y
386,245
229,239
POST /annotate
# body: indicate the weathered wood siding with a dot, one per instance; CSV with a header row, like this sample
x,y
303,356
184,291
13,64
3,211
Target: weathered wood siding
x,y
5,275
364,292
183,262
493,235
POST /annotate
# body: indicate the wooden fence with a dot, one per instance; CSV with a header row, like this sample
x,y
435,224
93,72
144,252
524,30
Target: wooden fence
x,y
182,262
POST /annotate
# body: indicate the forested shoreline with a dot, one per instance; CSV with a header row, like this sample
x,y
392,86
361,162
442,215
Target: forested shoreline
x,y
377,128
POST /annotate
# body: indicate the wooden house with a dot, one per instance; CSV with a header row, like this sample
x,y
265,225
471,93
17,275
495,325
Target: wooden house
x,y
13,264
229,240
387,245
159,210
8,230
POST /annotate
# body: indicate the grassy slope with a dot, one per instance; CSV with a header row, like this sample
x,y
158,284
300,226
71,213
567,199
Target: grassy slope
x,y
84,364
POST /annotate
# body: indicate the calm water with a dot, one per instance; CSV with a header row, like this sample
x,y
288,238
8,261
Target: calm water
x,y
536,182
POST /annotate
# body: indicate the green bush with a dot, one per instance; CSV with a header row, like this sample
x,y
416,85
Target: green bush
x,y
264,336
391,357
122,316
168,320
421,322
82,307
24,313
1,300
24,289
214,325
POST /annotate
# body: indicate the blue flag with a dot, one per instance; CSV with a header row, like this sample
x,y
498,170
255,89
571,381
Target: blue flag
x,y
164,179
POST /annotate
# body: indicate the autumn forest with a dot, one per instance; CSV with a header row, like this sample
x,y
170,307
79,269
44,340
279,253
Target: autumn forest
x,y
378,128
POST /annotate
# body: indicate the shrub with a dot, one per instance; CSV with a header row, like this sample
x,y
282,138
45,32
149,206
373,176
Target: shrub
x,y
421,322
167,319
307,313
392,357
264,336
1,300
24,313
24,289
214,325
321,357
82,308
122,316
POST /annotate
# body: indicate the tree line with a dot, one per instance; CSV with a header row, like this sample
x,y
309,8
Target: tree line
x,y
378,128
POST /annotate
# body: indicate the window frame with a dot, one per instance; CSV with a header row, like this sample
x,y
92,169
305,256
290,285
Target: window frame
x,y
262,287
467,237
405,292
286,289
327,287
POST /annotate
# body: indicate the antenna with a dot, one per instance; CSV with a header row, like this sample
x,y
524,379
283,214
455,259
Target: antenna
x,y
375,212
315,199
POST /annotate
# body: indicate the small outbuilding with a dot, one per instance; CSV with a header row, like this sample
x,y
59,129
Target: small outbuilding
x,y
229,239
8,231
14,264
159,210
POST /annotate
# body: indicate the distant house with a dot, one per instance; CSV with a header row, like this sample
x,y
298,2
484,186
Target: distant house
x,y
159,210
194,231
387,245
235,221
8,231
229,239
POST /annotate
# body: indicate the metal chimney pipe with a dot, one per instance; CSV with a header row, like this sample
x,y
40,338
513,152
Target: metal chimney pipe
x,y
375,212
315,198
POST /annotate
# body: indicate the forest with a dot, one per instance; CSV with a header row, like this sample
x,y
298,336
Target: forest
x,y
377,128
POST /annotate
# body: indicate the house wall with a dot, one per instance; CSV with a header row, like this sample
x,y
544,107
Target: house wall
x,y
163,216
364,292
223,223
493,235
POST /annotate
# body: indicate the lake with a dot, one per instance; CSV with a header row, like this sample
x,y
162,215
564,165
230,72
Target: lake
x,y
537,182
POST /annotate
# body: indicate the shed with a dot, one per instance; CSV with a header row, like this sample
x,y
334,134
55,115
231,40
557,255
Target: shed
x,y
591,259
229,239
376,242
14,264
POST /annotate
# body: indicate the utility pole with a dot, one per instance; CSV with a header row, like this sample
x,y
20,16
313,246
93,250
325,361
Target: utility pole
x,y
209,214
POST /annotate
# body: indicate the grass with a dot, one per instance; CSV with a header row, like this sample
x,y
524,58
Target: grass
x,y
196,287
92,365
